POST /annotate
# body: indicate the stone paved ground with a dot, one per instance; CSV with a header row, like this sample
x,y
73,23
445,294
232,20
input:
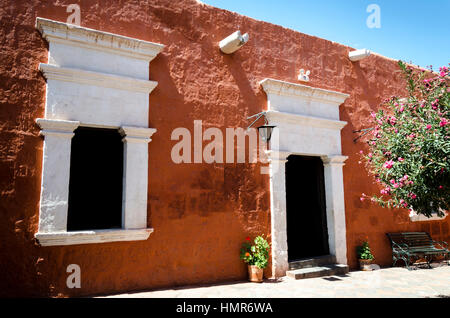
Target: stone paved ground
x,y
388,282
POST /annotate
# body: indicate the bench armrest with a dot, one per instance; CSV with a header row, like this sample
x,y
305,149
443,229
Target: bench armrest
x,y
441,243
401,246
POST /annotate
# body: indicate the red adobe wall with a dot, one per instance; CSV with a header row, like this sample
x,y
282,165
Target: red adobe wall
x,y
201,213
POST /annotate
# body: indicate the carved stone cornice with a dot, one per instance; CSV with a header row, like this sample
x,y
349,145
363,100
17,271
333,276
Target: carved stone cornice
x,y
63,128
98,79
277,155
137,134
303,120
334,160
277,87
98,40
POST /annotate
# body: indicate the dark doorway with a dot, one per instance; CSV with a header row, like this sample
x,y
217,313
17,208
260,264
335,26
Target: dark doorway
x,y
307,232
95,186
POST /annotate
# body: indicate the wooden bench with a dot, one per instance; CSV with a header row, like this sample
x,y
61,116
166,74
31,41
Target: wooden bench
x,y
408,246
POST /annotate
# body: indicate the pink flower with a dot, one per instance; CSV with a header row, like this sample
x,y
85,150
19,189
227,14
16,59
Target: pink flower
x,y
369,155
392,181
401,109
388,164
413,196
396,185
403,203
441,187
443,122
401,159
428,127
392,120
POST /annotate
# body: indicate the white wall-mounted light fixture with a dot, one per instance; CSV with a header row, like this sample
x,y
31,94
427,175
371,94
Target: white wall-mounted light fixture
x,y
233,42
358,55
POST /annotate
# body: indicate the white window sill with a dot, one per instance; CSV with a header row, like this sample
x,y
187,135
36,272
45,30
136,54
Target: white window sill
x,y
421,218
92,236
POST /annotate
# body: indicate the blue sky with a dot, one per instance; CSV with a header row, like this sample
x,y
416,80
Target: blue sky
x,y
416,31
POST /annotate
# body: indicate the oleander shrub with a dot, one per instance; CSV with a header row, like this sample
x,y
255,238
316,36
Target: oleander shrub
x,y
409,146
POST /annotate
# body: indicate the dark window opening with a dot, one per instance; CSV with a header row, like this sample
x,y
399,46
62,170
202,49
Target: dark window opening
x,y
96,178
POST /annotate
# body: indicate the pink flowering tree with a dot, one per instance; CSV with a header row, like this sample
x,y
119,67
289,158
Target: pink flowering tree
x,y
409,145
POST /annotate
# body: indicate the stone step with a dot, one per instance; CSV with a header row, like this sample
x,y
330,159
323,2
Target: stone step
x,y
318,271
312,262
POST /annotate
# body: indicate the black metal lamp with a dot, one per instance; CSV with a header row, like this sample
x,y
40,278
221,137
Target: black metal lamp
x,y
265,130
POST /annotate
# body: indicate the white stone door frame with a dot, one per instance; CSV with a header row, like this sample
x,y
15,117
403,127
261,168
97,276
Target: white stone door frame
x,y
308,124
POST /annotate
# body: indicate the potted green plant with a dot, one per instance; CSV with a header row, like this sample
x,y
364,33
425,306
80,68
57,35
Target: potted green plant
x,y
256,255
365,256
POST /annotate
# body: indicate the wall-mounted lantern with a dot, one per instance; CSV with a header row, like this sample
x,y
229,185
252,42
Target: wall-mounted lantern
x,y
265,130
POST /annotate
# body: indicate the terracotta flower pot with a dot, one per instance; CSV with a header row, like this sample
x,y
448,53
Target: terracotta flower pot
x,y
255,274
364,264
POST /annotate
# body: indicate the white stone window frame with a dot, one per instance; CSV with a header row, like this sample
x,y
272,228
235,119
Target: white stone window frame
x,y
94,79
307,123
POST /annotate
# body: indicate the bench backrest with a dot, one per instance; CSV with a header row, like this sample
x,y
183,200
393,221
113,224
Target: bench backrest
x,y
412,239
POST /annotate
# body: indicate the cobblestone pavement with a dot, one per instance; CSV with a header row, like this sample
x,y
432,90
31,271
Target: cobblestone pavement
x,y
387,282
